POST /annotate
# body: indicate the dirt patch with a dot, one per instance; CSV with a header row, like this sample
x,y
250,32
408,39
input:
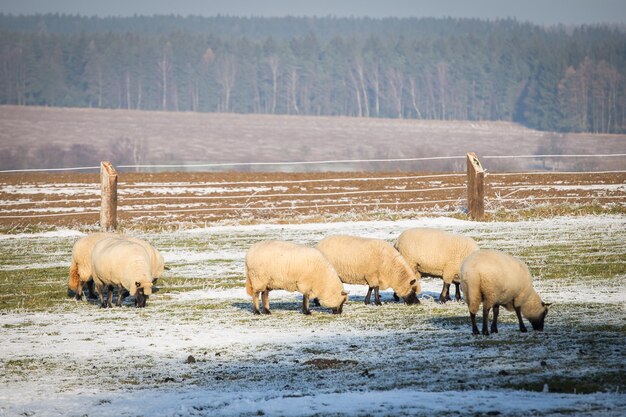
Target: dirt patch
x,y
322,363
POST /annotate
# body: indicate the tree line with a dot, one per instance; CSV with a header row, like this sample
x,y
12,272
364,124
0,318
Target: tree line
x,y
550,78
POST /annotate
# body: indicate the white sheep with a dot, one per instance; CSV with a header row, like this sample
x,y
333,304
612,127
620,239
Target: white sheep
x,y
118,262
157,263
279,265
80,268
436,253
371,262
499,279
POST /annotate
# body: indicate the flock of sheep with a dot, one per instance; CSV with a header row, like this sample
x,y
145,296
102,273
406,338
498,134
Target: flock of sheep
x,y
487,277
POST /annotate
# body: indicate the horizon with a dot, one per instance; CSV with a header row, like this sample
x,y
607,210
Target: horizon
x,y
555,12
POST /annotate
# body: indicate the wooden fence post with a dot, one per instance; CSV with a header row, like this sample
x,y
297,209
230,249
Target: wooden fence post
x,y
108,192
475,187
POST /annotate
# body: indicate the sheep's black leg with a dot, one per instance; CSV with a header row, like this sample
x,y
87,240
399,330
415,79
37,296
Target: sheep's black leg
x,y
485,320
368,297
316,302
522,328
448,298
140,298
265,296
120,297
92,293
305,305
79,291
110,296
100,289
377,297
494,323
255,303
474,327
442,296
457,287
395,297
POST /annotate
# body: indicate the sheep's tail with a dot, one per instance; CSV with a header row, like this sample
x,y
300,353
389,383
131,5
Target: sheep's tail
x,y
249,289
74,281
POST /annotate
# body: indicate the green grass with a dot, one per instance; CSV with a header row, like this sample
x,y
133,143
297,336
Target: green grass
x,y
550,210
587,384
33,289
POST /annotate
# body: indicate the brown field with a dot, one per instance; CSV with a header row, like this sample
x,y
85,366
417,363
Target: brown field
x,y
175,199
36,137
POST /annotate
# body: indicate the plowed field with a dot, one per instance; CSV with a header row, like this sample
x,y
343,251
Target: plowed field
x,y
175,198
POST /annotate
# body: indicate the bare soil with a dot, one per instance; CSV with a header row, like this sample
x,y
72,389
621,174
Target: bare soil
x,y
181,198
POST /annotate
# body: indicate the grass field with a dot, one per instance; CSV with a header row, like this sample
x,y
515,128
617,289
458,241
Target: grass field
x,y
197,349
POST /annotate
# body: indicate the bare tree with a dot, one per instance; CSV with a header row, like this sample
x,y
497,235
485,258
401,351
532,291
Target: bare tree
x,y
294,90
127,150
442,82
395,79
360,71
418,114
273,61
226,76
165,69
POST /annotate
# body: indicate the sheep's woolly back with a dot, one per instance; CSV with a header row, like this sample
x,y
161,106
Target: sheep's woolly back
x,y
118,261
279,265
494,277
157,264
80,268
435,252
366,261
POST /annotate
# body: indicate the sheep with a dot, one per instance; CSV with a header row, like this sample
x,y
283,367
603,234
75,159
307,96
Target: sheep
x,y
436,253
280,265
499,279
80,268
157,263
123,263
371,262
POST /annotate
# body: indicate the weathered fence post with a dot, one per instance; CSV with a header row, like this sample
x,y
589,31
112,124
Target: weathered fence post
x,y
475,187
108,192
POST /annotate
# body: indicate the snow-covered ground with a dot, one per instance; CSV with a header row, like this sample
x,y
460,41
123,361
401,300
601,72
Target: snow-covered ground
x,y
197,349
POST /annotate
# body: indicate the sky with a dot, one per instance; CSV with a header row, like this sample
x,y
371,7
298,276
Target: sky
x,y
543,12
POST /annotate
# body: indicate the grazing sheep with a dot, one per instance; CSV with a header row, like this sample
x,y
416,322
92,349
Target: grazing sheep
x,y
122,263
371,262
157,263
278,265
498,279
436,253
80,268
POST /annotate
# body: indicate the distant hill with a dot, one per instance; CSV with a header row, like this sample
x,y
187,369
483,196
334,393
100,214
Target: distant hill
x,y
38,137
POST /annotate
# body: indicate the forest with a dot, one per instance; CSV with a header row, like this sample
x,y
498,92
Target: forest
x,y
558,78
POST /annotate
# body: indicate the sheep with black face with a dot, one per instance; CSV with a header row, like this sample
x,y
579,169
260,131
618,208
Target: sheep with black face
x,y
371,262
279,265
118,263
497,279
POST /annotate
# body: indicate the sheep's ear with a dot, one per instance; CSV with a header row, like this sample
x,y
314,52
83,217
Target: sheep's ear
x,y
413,281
